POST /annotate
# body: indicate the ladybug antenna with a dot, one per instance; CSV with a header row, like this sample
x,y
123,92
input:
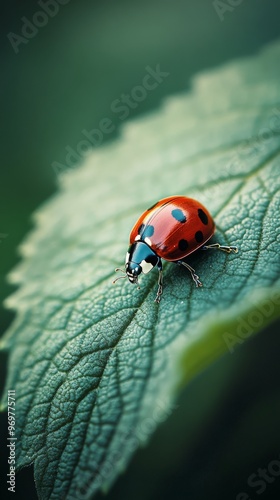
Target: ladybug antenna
x,y
119,277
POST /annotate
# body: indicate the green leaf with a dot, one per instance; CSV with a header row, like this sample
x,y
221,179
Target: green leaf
x,y
97,367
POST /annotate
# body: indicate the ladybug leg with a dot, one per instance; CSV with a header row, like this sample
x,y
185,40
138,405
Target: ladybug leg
x,y
192,271
160,282
217,246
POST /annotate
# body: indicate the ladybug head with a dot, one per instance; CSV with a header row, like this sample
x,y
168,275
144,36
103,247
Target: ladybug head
x,y
133,270
139,258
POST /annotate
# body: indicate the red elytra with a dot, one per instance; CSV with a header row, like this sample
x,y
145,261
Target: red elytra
x,y
170,229
174,227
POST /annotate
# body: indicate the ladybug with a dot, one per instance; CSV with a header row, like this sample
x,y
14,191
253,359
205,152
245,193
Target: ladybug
x,y
171,229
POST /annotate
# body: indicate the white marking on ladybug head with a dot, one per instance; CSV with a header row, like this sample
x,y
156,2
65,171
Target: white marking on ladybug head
x,y
137,237
127,257
148,241
146,266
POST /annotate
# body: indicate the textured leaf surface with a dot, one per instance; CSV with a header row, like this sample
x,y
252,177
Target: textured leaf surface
x,y
96,366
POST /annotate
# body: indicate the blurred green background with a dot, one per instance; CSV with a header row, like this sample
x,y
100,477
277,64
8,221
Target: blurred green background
x,y
64,80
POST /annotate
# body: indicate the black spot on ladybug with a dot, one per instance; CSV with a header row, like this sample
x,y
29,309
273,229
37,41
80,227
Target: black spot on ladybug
x,y
199,236
153,206
203,217
183,245
152,259
178,215
146,231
